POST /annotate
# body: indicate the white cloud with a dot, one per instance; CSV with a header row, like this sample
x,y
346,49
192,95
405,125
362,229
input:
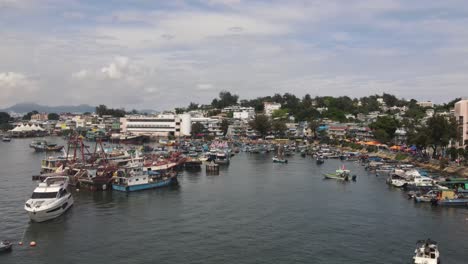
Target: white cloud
x,y
15,86
117,68
204,86
80,74
187,52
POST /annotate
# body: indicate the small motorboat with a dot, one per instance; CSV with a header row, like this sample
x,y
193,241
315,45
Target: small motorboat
x,y
340,174
5,246
6,139
426,252
279,160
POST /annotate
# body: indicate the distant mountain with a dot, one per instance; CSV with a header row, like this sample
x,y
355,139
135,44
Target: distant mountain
x,y
28,107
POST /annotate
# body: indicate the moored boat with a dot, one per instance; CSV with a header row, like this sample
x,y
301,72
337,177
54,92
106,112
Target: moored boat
x,y
132,179
5,246
340,174
50,199
427,252
6,139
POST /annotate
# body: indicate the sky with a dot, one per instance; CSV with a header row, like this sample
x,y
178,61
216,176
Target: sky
x,y
150,54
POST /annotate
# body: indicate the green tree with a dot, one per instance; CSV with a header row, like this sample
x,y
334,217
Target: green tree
x,y
4,117
280,114
314,124
440,131
224,126
192,106
384,128
197,128
53,116
261,124
279,127
225,99
28,115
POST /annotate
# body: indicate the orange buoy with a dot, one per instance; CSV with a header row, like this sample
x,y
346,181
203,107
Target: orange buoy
x,y
32,243
20,243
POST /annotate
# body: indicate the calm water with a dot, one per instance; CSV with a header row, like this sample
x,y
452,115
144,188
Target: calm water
x,y
253,212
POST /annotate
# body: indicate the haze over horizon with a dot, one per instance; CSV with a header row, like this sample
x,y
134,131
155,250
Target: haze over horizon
x,y
165,54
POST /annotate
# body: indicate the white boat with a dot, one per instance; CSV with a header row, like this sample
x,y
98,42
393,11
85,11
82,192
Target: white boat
x,y
396,180
426,252
222,157
49,200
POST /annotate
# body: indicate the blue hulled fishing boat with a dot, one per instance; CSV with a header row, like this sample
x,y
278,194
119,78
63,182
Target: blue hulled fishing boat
x,y
134,178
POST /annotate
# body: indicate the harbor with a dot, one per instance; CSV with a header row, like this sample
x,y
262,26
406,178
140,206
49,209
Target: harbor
x,y
284,209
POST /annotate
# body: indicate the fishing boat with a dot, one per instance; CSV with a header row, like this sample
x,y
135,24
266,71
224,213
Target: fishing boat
x,y
426,252
340,174
49,200
42,145
6,139
280,157
425,197
134,178
450,198
5,246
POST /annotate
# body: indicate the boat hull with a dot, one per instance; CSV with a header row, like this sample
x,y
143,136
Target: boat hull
x,y
146,186
50,213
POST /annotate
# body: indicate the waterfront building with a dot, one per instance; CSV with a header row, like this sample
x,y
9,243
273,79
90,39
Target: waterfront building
x,y
212,124
270,107
159,125
461,115
337,131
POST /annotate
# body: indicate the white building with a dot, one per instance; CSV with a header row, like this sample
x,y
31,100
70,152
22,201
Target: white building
x,y
270,107
426,104
160,125
461,114
211,124
247,113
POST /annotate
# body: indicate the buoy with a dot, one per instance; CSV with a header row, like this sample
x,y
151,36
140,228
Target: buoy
x,y
32,243
20,243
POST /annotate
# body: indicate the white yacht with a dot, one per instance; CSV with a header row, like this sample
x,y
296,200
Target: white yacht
x,y
426,252
49,200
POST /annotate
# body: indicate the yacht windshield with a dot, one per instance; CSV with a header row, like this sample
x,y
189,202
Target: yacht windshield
x,y
43,195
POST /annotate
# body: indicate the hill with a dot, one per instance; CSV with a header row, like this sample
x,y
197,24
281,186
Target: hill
x,y
28,107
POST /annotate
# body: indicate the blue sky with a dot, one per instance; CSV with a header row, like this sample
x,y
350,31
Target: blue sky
x,y
163,54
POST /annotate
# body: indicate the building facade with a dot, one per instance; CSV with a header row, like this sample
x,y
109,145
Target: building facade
x,y
461,115
270,107
160,125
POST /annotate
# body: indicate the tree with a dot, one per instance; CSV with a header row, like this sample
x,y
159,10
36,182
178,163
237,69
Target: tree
x,y
279,127
225,99
314,124
53,116
280,114
4,117
224,126
440,131
384,128
197,128
103,110
28,115
192,106
261,124
389,99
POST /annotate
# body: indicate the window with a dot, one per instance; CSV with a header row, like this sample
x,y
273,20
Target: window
x,y
46,195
